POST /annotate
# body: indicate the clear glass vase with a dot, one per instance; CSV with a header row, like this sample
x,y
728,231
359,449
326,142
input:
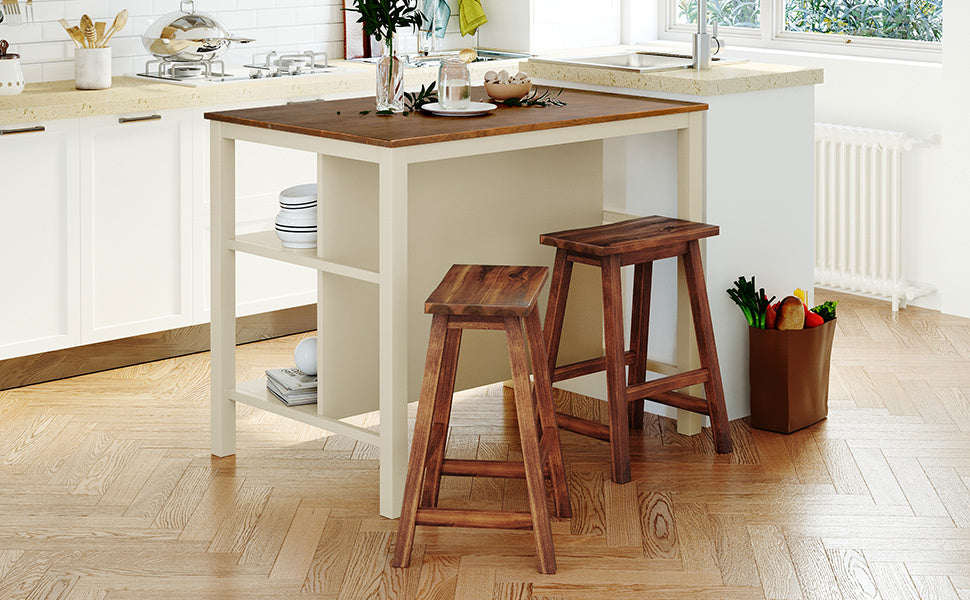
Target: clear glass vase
x,y
390,82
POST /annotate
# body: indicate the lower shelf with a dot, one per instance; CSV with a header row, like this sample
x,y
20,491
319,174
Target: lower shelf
x,y
255,394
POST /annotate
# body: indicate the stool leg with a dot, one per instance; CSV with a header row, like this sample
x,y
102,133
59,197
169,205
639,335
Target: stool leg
x,y
639,330
556,307
615,369
706,349
440,418
419,443
547,416
530,445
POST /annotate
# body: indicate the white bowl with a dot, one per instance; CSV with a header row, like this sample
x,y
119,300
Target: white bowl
x,y
297,227
504,91
299,196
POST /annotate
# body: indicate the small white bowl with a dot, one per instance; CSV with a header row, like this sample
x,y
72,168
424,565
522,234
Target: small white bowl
x,y
504,91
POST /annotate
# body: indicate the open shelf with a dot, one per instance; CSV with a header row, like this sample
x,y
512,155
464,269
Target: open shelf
x,y
255,394
267,245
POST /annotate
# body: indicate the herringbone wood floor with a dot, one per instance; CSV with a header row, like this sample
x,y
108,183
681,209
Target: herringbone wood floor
x,y
109,492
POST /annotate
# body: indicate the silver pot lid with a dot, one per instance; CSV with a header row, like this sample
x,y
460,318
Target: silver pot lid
x,y
186,35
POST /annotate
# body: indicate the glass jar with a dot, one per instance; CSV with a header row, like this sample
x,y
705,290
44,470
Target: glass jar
x,y
454,85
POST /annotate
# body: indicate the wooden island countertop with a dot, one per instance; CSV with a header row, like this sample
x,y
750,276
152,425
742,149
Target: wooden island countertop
x,y
341,119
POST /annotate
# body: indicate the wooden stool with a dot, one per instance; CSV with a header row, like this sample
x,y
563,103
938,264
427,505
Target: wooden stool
x,y
635,242
485,297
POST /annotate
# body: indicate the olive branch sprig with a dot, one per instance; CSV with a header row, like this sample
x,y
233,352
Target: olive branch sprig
x,y
536,98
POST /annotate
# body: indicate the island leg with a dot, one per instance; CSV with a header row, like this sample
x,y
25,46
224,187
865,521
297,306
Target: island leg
x,y
690,206
222,200
393,302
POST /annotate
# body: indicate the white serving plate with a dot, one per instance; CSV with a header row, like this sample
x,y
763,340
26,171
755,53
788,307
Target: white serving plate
x,y
475,108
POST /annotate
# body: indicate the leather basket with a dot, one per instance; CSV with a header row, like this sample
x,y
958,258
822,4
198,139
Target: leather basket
x,y
789,375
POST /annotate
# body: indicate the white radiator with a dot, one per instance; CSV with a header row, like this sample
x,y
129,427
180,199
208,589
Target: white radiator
x,y
859,212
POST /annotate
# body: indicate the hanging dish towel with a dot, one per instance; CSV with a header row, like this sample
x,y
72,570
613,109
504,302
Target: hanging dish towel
x,y
435,15
470,16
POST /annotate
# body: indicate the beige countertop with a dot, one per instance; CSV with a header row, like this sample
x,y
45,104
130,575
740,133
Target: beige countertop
x,y
737,78
60,100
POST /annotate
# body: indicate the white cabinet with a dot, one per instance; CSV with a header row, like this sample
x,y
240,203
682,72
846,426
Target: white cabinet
x,y
39,270
136,223
104,228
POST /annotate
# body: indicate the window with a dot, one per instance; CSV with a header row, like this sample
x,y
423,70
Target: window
x,y
874,27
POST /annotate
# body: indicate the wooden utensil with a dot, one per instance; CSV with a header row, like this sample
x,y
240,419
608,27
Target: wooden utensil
x,y
90,33
120,20
99,34
74,32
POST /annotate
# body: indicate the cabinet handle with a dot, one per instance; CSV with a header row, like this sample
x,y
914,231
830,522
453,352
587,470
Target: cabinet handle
x,y
22,130
136,119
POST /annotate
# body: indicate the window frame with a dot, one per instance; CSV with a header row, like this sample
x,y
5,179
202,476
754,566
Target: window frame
x,y
772,36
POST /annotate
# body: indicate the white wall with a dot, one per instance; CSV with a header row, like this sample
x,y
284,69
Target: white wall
x,y
543,25
955,215
47,53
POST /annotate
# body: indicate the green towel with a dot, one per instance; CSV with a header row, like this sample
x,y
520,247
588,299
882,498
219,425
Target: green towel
x,y
470,16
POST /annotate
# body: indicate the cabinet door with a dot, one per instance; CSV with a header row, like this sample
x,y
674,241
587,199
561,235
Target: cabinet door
x,y
136,244
39,303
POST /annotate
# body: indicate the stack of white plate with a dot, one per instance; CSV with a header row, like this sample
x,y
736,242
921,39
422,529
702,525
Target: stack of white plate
x,y
296,223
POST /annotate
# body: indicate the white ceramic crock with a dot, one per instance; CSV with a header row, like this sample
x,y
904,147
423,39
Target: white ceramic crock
x,y
11,75
92,68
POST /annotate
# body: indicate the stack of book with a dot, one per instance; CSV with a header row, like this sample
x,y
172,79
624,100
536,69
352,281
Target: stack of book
x,y
292,386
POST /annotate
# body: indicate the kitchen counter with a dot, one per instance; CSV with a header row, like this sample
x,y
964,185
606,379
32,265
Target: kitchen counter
x,y
759,182
60,100
720,80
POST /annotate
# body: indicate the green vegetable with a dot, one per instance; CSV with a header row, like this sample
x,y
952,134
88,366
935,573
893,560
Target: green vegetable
x,y
826,310
754,304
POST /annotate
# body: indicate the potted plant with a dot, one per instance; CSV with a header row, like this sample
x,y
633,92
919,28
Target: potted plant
x,y
790,349
380,19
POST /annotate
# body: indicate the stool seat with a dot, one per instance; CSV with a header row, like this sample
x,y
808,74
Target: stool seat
x,y
497,298
636,242
634,235
498,291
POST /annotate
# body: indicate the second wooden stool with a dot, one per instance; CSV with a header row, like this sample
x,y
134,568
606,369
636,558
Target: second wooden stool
x,y
485,297
636,242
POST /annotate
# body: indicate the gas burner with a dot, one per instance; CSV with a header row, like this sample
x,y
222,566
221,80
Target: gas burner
x,y
181,71
274,64
264,65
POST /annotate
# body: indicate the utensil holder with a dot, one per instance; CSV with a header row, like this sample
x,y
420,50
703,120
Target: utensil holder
x,y
92,68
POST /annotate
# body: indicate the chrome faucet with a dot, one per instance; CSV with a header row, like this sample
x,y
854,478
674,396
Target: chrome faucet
x,y
702,39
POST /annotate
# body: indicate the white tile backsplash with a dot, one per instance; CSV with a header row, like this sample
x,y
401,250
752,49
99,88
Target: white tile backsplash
x,y
47,51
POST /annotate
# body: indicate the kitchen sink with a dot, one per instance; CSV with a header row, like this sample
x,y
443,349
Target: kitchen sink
x,y
633,61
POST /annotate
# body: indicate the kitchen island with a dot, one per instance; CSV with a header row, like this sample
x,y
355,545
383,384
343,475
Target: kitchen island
x,y
400,200
759,180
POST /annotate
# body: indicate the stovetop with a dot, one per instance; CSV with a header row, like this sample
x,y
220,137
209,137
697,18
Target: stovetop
x,y
266,65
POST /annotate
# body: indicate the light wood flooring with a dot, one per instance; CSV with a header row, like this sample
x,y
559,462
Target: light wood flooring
x,y
108,491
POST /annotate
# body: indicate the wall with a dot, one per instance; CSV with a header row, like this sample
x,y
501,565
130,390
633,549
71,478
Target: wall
x,y
542,25
47,52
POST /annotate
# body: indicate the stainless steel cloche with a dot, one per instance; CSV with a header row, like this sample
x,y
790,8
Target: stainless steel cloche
x,y
188,36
